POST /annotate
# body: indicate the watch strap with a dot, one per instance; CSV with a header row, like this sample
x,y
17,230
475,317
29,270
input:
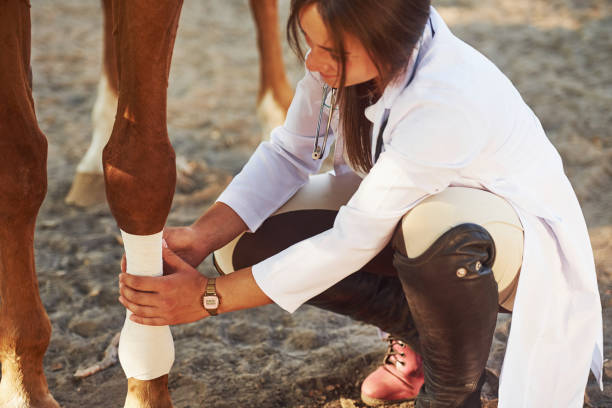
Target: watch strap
x,y
211,287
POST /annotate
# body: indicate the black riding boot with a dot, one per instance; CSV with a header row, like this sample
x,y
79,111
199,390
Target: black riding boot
x,y
452,295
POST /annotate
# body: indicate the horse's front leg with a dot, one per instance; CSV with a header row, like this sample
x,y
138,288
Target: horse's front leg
x,y
140,176
24,326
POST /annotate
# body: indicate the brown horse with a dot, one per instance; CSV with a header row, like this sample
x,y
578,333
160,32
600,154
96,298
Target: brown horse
x,y
139,39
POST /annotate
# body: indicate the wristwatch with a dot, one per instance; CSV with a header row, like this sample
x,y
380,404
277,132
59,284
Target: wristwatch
x,y
210,299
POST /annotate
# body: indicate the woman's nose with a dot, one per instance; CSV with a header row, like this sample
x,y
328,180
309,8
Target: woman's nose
x,y
317,63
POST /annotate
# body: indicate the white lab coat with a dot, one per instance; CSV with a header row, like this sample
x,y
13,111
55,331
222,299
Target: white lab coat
x,y
460,122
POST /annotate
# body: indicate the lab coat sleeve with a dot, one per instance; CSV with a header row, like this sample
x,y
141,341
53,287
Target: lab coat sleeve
x,y
278,168
443,141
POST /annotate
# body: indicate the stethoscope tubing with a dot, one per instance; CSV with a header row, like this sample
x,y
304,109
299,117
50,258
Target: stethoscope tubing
x,y
317,153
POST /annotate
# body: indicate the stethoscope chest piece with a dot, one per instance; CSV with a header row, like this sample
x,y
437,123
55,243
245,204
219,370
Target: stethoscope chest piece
x,y
318,151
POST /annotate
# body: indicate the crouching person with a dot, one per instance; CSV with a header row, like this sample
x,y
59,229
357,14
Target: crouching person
x,y
447,203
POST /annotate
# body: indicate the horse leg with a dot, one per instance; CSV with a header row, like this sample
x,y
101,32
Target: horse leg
x,y
275,93
88,184
140,174
273,98
25,327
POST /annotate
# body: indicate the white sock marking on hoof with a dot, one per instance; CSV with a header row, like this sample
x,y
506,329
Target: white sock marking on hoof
x,y
270,114
103,118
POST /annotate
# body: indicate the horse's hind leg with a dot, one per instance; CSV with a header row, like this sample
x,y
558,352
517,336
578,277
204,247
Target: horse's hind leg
x,y
88,184
24,326
275,93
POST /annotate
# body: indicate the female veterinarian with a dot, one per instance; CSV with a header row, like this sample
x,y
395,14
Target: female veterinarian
x,y
447,204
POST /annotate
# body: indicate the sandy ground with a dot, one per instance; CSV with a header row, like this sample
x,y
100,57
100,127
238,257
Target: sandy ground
x,y
559,55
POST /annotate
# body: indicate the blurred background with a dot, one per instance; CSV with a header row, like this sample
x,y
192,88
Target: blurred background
x,y
557,52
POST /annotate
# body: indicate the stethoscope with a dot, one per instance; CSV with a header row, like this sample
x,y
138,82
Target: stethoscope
x,y
317,152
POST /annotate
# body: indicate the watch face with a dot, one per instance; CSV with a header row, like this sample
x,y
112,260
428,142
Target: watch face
x,y
211,302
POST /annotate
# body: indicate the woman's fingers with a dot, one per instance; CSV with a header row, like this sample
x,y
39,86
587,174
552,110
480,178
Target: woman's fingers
x,y
172,260
149,321
140,298
162,300
140,310
167,234
142,283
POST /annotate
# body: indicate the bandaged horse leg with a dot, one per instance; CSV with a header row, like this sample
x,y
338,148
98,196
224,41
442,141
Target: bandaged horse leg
x,y
140,175
275,93
88,184
24,326
145,352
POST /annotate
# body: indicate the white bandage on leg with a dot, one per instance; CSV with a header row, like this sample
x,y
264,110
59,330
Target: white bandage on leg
x,y
145,352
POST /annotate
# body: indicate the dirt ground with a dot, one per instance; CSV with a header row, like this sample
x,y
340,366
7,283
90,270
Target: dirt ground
x,y
559,55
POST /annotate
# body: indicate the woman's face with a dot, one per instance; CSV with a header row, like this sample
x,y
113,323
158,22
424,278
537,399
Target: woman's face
x,y
322,59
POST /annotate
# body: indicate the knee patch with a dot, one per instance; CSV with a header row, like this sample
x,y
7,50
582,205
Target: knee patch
x,y
467,249
145,352
437,214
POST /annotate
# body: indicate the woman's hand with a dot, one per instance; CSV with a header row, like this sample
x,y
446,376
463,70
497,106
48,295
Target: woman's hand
x,y
164,300
184,242
215,228
187,244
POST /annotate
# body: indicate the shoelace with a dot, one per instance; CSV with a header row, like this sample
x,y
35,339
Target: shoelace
x,y
391,352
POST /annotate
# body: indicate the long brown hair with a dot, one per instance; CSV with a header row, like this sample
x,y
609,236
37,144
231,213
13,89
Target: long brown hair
x,y
388,30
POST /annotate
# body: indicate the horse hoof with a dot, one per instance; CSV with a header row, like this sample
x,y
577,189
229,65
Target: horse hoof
x,y
270,114
148,394
87,190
